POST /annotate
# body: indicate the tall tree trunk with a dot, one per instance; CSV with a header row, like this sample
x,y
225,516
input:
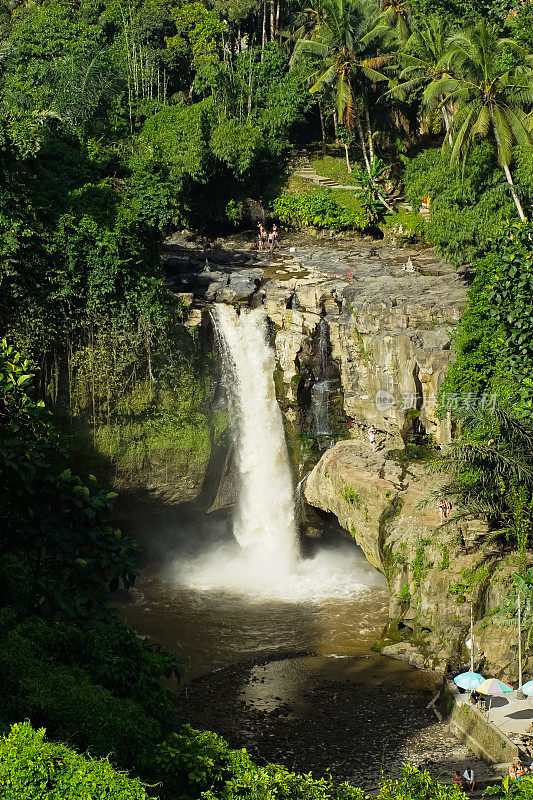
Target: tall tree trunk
x,y
250,84
239,38
278,16
322,126
272,20
263,35
348,165
362,140
513,192
335,126
509,176
383,201
447,124
369,132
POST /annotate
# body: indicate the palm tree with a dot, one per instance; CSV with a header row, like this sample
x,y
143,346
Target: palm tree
x,y
490,97
491,469
344,42
397,16
422,59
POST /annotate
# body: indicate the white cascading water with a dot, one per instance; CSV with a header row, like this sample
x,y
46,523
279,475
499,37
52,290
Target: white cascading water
x,y
264,523
264,562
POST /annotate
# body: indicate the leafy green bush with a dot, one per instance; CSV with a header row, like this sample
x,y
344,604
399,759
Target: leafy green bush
x,y
193,764
71,705
34,769
199,763
413,226
350,495
317,209
404,595
494,339
111,655
53,525
467,207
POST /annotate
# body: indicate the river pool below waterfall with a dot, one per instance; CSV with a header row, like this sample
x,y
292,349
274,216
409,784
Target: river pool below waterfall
x,y
294,682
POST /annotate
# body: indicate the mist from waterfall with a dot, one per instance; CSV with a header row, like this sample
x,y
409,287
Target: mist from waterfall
x,y
264,560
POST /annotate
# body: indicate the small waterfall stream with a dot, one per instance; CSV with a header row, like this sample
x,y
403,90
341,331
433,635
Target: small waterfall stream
x,y
320,392
321,389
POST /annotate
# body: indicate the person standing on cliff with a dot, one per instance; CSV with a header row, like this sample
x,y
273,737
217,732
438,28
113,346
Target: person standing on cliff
x,y
372,438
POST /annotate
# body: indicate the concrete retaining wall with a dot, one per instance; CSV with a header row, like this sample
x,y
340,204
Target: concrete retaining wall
x,y
487,741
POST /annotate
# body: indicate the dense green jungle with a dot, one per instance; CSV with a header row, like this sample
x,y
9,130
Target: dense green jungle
x,y
125,120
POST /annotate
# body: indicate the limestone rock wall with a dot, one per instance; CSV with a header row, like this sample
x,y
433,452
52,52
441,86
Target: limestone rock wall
x,y
434,571
389,334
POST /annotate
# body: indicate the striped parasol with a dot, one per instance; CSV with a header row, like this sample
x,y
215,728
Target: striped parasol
x,y
492,686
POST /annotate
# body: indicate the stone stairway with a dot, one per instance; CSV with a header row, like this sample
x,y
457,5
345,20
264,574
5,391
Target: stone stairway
x,y
305,170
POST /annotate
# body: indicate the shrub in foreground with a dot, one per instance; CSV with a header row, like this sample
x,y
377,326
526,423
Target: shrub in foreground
x,y
34,769
71,705
193,764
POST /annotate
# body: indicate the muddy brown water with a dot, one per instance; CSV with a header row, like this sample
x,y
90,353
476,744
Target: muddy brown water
x,y
294,682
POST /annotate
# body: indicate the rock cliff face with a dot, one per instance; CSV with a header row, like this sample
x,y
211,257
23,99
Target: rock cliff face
x,y
388,330
434,571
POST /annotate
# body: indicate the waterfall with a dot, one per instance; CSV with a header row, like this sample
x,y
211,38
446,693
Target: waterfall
x,y
263,562
264,524
323,348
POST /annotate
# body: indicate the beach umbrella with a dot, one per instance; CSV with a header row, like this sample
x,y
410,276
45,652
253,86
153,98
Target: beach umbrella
x,y
469,680
492,687
527,688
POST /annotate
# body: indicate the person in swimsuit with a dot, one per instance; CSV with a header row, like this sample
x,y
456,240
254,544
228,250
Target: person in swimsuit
x,y
458,779
372,438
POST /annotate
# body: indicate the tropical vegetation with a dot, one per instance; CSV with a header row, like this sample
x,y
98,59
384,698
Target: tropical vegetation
x,y
120,122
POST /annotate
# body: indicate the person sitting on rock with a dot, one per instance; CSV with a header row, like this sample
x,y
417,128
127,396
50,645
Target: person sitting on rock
x,y
475,697
468,775
458,779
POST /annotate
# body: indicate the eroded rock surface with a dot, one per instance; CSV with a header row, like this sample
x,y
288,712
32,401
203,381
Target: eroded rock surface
x,y
434,571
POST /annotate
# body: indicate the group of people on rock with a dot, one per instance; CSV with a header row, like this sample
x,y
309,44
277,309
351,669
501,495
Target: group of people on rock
x,y
267,238
517,770
466,780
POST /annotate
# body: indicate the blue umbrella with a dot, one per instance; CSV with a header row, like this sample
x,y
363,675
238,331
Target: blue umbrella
x,y
469,680
527,688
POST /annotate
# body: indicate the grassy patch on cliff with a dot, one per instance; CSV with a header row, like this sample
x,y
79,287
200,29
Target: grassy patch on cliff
x,y
333,167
